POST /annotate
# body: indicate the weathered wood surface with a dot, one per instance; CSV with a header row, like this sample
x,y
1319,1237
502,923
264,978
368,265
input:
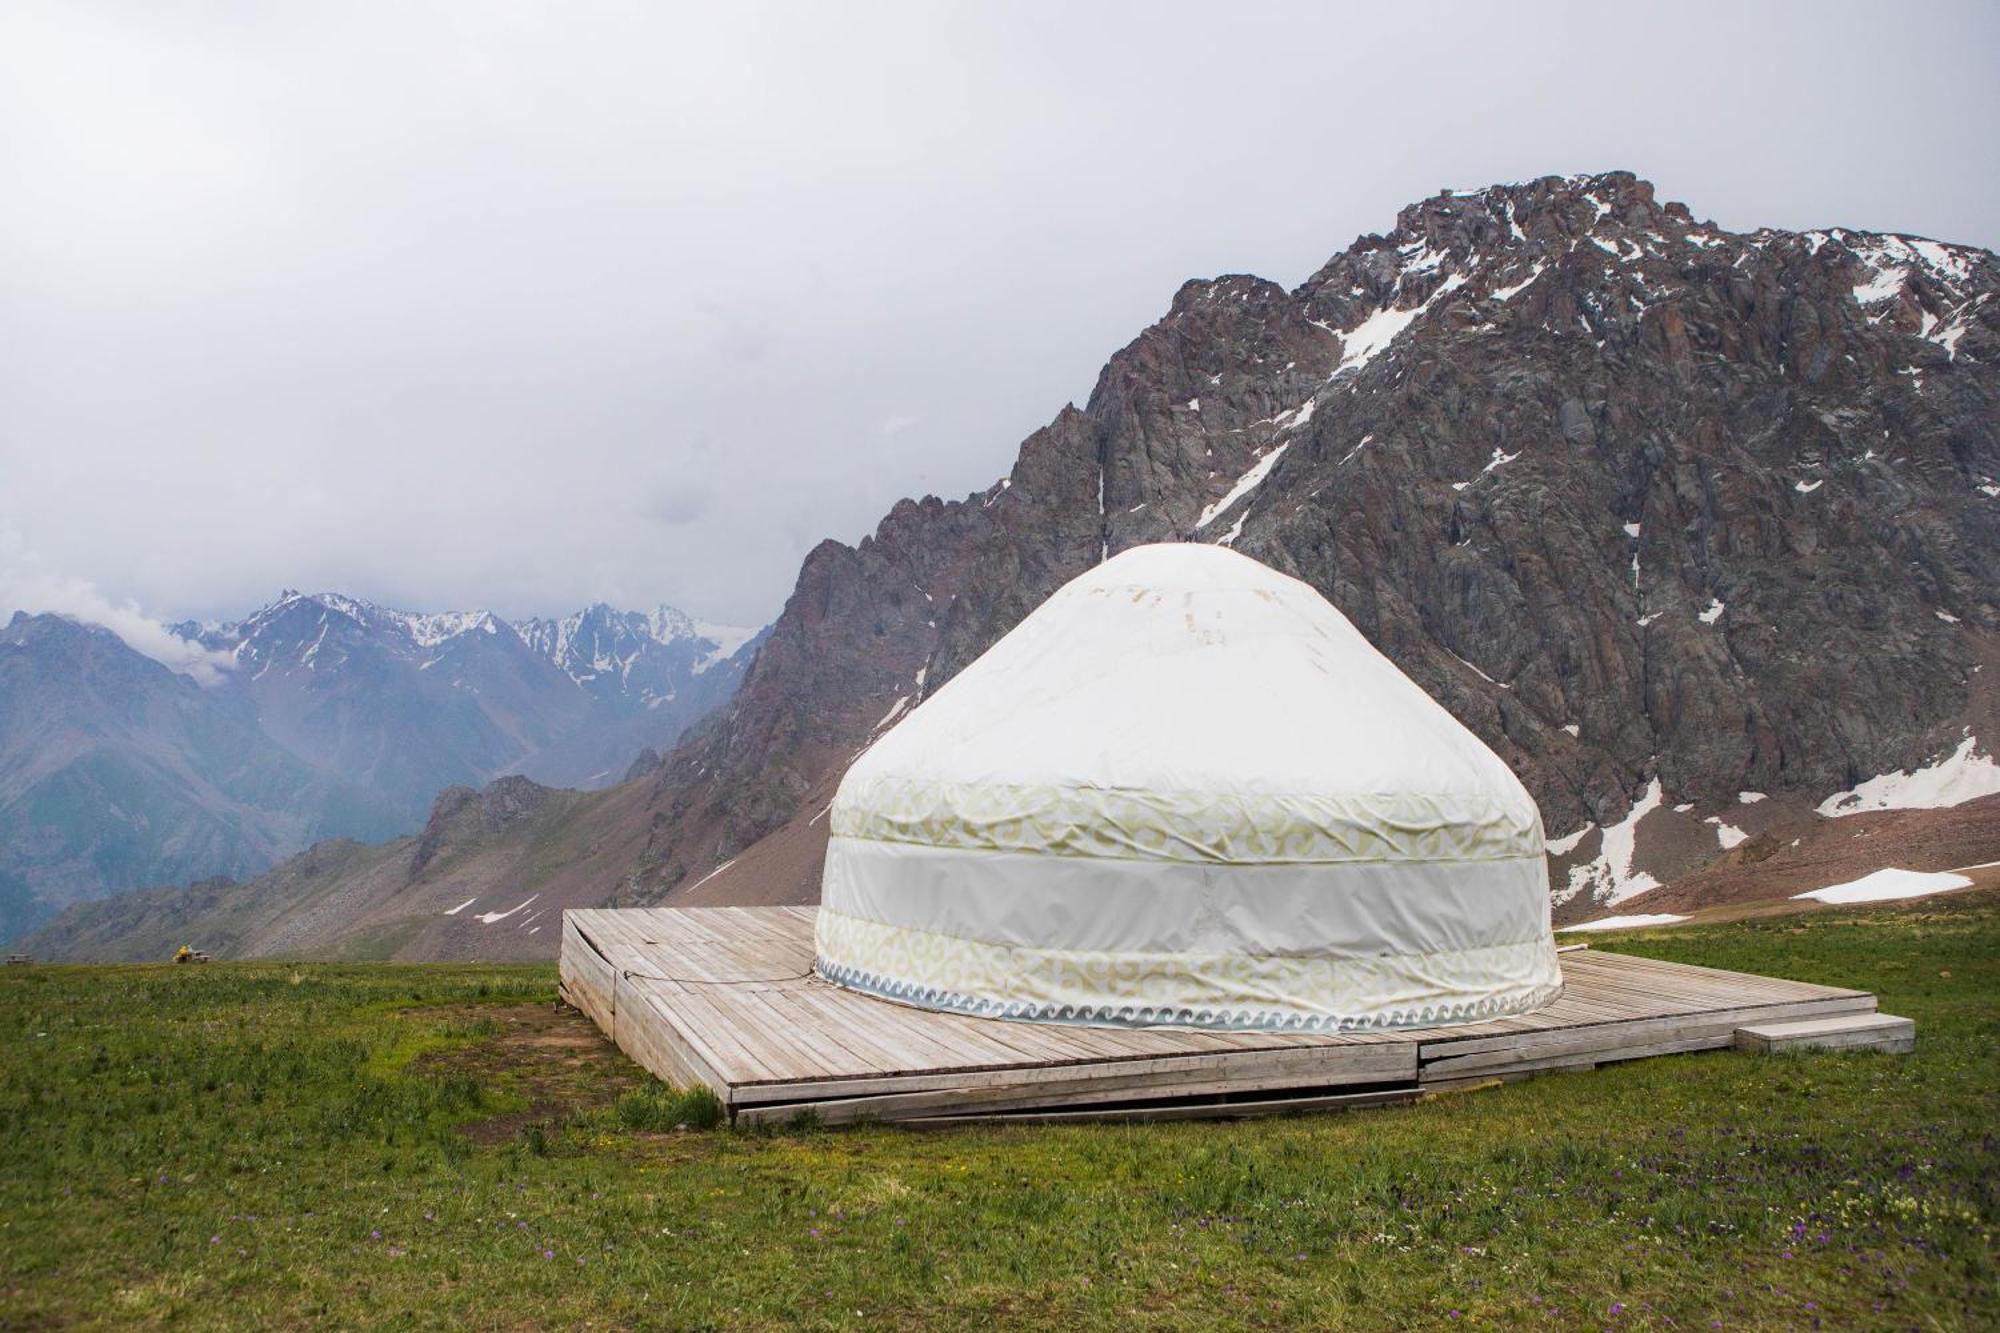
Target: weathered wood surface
x,y
1875,1032
726,996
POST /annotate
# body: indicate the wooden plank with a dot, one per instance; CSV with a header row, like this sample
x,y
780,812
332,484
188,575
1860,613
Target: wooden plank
x,y
1373,1062
1685,976
900,1040
1881,1032
1589,1041
1599,1039
587,978
1439,1043
1194,1111
702,1023
1613,1054
1210,1074
1473,1082
646,1035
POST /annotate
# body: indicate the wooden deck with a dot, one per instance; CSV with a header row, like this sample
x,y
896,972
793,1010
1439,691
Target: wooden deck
x,y
725,996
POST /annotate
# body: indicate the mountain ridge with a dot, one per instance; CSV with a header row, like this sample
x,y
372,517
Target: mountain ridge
x,y
121,772
457,697
1567,331
1663,513
348,719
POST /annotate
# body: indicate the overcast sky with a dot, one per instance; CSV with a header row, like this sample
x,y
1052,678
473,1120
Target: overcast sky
x,y
525,306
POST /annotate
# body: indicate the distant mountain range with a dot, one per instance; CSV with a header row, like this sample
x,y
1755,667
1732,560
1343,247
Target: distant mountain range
x,y
1698,529
335,717
410,703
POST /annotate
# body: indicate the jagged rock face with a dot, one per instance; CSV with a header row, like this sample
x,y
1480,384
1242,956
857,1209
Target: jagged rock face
x,y
1634,497
461,815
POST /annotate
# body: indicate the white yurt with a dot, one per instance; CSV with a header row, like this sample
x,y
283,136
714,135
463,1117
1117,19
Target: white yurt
x,y
1186,791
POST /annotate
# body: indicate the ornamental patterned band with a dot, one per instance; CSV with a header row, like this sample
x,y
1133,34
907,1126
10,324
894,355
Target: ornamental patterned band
x,y
1233,992
1209,826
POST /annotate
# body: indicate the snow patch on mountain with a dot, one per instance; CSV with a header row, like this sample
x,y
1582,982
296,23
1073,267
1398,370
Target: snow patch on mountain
x,y
428,631
1961,776
1245,484
1633,922
1610,877
1888,885
1508,293
1372,336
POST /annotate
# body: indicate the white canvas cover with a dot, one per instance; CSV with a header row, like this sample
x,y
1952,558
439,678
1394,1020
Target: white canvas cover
x,y
1185,790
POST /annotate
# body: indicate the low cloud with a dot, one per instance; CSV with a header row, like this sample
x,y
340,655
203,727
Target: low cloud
x,y
26,584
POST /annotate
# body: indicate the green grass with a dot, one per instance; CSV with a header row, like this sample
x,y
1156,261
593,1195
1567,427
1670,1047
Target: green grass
x,y
250,1145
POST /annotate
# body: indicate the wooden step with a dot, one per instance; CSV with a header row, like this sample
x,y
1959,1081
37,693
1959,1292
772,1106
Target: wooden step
x,y
1870,1032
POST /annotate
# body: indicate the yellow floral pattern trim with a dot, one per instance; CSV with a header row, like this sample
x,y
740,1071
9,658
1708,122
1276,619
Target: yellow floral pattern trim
x,y
1313,993
1183,826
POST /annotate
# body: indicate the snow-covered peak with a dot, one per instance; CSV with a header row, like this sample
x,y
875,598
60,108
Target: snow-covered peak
x,y
640,653
1919,285
670,625
430,630
558,638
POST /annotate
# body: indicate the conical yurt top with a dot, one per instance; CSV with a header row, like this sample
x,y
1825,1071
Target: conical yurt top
x,y
1186,790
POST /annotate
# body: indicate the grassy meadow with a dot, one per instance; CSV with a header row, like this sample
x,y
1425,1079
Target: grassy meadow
x,y
249,1145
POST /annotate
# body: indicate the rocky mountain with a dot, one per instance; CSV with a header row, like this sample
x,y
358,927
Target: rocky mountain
x,y
1664,513
648,675
408,703
336,718
1696,528
116,772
